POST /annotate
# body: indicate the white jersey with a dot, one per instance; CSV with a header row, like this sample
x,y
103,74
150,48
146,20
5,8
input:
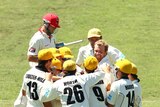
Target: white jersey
x,y
21,100
115,54
121,93
107,61
138,94
98,93
85,51
79,71
40,40
72,90
32,83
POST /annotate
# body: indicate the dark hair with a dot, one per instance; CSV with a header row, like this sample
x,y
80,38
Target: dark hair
x,y
124,75
68,73
41,65
135,77
89,71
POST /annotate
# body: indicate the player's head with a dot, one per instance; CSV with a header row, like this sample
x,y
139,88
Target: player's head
x,y
56,66
90,64
133,75
69,67
51,22
100,49
66,52
44,59
123,68
94,34
56,53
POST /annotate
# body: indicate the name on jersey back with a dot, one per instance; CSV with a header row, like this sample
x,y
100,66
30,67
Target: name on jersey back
x,y
34,77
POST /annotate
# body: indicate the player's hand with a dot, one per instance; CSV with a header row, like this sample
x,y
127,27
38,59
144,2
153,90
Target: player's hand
x,y
106,68
49,76
55,78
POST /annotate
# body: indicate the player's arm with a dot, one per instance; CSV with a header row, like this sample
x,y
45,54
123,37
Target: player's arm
x,y
93,78
80,57
23,92
34,47
110,105
47,104
49,89
32,58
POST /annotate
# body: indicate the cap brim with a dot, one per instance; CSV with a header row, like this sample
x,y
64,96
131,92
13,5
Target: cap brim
x,y
68,56
91,36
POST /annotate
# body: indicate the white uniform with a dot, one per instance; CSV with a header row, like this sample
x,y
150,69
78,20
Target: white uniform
x,y
40,40
32,83
79,71
107,61
97,94
21,100
138,94
73,90
85,51
121,93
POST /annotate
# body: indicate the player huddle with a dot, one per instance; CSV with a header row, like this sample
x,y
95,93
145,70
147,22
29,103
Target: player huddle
x,y
100,76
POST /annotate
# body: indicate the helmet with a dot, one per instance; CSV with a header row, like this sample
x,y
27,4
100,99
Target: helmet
x,y
52,19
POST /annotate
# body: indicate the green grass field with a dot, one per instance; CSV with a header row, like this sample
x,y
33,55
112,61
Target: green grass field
x,y
130,25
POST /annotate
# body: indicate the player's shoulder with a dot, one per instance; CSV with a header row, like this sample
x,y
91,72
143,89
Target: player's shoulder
x,y
84,48
37,36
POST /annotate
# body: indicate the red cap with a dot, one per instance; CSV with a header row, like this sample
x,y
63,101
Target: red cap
x,y
52,19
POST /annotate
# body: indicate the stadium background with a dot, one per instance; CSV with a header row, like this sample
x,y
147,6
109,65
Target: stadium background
x,y
130,25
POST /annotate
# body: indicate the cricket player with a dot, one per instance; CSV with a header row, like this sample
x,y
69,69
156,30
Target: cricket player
x,y
73,90
43,38
67,54
97,93
94,35
138,91
104,60
122,92
35,77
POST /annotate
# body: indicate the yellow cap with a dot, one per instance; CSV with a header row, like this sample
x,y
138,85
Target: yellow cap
x,y
55,52
134,69
69,65
90,63
124,66
66,52
45,54
57,63
94,32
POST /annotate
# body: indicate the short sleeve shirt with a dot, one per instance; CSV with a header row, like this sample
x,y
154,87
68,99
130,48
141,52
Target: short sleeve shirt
x,y
72,90
40,40
84,52
32,83
138,94
121,93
